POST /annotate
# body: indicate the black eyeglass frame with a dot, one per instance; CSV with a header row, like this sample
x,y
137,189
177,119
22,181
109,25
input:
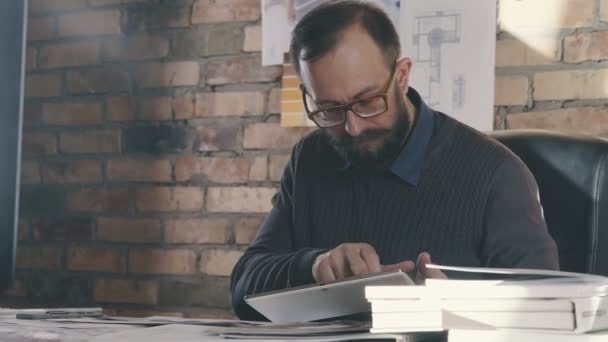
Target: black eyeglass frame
x,y
350,105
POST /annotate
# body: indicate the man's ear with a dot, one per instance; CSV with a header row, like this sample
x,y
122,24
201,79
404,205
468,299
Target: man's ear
x,y
404,67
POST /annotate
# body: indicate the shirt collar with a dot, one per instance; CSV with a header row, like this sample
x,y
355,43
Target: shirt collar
x,y
408,164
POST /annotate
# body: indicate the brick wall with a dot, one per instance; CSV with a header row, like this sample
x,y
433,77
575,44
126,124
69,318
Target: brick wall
x,y
551,65
152,146
150,156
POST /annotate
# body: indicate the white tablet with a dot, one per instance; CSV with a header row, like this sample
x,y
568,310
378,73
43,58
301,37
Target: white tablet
x,y
321,301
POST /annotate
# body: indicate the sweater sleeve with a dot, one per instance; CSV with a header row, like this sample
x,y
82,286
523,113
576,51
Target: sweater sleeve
x,y
271,262
515,230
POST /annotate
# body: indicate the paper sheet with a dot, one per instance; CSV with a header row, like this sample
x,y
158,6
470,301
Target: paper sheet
x,y
452,45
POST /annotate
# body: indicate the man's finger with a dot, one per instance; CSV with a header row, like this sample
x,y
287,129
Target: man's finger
x,y
356,265
423,272
338,264
405,266
370,257
325,272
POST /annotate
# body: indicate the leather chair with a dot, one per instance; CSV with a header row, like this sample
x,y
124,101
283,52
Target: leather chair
x,y
572,176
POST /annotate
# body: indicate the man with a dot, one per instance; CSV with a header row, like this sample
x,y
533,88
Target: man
x,y
386,182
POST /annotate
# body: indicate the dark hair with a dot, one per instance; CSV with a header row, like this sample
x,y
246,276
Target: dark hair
x,y
319,30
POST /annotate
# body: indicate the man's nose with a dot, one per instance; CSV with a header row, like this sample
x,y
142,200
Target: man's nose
x,y
354,125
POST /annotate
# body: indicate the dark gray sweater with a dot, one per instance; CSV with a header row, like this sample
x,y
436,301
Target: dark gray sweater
x,y
475,204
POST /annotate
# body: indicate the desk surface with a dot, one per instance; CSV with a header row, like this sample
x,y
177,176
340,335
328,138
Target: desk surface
x,y
130,329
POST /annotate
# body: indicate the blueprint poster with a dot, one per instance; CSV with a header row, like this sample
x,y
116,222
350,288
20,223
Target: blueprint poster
x,y
452,45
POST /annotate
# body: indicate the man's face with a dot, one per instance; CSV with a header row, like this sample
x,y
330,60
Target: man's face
x,y
353,69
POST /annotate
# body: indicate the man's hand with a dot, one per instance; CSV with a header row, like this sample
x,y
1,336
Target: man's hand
x,y
352,259
423,273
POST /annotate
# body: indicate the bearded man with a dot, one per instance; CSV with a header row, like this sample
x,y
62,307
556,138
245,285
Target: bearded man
x,y
385,182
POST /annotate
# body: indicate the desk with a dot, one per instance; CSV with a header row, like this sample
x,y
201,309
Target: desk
x,y
93,330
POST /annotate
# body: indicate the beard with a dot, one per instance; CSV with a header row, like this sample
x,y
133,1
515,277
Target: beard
x,y
380,156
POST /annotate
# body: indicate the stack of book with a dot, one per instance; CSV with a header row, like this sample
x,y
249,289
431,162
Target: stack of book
x,y
544,304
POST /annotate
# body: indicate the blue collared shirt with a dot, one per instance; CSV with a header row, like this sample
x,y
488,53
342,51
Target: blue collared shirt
x,y
408,164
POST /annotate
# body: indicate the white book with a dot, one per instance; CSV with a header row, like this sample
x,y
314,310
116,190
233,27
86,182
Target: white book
x,y
579,302
460,335
488,305
478,320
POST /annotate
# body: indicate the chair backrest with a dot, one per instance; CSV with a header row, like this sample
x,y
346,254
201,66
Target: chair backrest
x,y
572,176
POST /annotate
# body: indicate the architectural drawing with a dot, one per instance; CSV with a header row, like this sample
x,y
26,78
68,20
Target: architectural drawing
x,y
452,45
432,31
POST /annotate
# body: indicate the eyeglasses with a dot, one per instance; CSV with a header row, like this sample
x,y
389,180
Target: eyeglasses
x,y
364,107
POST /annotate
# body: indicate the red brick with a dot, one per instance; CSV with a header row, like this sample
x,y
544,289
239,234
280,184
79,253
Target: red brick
x,y
30,172
511,91
162,261
183,107
99,200
120,108
31,61
169,14
47,258
581,84
41,28
135,48
213,11
586,46
259,169
220,170
42,85
72,113
225,170
277,166
535,50
274,101
69,54
172,74
186,167
97,22
126,291
253,38
581,120
71,172
272,136
217,138
128,230
246,229
96,259
219,262
209,41
196,231
97,141
99,80
55,5
159,199
139,170
229,104
155,108
39,144
63,229
240,199
242,69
